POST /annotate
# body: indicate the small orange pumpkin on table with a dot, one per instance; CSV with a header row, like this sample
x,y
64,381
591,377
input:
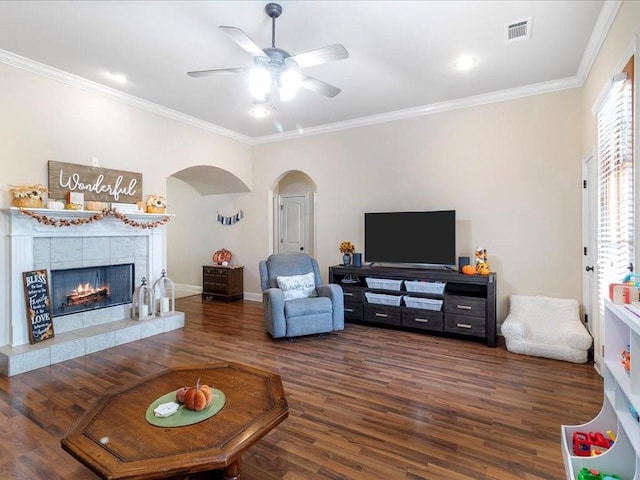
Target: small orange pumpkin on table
x,y
195,398
469,270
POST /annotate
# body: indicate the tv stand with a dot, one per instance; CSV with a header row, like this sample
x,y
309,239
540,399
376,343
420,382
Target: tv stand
x,y
468,302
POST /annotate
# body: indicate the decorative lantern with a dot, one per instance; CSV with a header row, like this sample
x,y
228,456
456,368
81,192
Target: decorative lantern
x,y
165,294
143,302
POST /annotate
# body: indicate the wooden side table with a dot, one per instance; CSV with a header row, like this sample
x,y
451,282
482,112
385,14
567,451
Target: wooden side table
x,y
222,283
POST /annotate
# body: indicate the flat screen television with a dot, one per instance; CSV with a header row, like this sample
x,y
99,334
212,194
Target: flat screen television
x,y
417,238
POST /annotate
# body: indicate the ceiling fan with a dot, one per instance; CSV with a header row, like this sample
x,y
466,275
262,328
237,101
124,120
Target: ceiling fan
x,y
274,69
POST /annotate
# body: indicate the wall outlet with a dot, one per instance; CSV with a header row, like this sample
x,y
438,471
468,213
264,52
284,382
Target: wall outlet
x,y
95,162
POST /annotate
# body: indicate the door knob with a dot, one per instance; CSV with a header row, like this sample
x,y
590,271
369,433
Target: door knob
x,y
301,249
589,268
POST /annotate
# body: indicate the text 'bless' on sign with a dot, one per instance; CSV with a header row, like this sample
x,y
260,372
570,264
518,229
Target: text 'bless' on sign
x,y
38,301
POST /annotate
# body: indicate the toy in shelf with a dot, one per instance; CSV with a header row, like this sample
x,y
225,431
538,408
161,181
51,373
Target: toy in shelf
x,y
623,293
626,359
628,279
592,474
590,444
628,291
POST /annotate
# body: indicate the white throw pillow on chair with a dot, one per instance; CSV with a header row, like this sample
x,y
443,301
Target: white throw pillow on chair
x,y
297,286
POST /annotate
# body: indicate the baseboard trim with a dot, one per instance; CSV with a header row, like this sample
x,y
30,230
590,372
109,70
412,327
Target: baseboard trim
x,y
183,290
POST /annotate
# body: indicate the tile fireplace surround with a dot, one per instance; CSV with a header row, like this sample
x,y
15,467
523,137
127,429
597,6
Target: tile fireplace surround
x,y
28,245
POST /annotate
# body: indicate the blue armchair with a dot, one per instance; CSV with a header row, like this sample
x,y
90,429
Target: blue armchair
x,y
294,299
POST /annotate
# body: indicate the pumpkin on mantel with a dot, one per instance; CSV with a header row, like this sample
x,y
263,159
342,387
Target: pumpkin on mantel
x,y
95,206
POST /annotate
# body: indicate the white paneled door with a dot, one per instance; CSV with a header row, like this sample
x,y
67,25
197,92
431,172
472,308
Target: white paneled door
x,y
294,224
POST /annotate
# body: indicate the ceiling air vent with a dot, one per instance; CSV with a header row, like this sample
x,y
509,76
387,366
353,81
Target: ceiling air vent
x,y
520,30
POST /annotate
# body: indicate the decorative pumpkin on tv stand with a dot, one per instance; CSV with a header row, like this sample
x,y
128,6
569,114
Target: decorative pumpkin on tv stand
x,y
469,270
482,265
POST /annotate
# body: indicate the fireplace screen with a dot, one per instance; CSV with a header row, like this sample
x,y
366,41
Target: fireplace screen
x,y
89,288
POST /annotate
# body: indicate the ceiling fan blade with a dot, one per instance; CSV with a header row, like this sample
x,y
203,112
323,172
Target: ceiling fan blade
x,y
206,73
319,86
322,55
243,41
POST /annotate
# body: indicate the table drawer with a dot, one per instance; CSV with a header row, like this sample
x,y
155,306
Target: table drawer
x,y
465,325
422,319
458,305
381,314
353,294
352,312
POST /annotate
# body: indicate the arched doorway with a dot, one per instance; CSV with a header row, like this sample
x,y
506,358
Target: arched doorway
x,y
196,195
294,214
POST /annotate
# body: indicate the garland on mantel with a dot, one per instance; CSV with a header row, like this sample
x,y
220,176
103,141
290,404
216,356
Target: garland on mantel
x,y
63,222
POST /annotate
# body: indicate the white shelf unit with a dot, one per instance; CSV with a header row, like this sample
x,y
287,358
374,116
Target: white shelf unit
x,y
621,391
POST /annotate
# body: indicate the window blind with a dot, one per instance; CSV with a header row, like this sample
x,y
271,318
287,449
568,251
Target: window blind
x,y
615,186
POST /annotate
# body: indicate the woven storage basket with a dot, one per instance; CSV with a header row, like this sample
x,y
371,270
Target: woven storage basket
x,y
383,283
153,209
425,287
27,202
423,303
382,299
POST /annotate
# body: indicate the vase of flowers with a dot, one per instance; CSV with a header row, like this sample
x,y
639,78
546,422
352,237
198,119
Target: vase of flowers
x,y
156,204
347,249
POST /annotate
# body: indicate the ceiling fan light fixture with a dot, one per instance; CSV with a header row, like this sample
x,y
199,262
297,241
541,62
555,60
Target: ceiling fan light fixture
x,y
275,75
290,81
259,83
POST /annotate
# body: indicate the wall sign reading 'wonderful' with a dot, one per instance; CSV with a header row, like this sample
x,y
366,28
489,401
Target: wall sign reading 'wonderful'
x,y
99,184
36,293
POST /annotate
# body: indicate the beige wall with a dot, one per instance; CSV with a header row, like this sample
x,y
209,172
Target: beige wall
x,y
620,37
511,170
194,234
621,42
43,119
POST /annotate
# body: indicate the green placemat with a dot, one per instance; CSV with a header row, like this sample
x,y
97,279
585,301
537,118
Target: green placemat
x,y
184,416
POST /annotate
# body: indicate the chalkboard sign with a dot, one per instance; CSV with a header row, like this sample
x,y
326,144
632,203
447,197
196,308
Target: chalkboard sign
x,y
38,301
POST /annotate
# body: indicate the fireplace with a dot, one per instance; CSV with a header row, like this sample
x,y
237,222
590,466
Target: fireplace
x,y
77,290
33,245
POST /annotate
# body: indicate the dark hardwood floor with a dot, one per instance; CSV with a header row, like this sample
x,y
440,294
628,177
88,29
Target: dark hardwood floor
x,y
366,403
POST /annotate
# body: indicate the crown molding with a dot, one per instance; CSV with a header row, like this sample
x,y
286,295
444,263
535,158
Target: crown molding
x,y
493,97
603,24
75,81
598,35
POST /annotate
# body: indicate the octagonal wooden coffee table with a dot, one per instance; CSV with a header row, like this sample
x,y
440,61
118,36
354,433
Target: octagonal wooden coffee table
x,y
115,440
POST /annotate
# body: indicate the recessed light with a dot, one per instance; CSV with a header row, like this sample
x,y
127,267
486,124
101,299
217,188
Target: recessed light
x,y
260,111
465,62
118,77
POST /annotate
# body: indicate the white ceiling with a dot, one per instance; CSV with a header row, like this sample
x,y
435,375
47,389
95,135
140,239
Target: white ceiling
x,y
400,64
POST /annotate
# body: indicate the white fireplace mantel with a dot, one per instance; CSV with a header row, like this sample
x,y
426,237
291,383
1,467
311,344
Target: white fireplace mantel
x,y
17,254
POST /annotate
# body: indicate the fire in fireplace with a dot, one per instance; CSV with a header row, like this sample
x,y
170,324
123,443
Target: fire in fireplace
x,y
89,288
